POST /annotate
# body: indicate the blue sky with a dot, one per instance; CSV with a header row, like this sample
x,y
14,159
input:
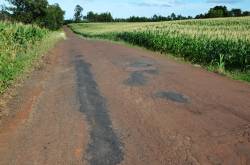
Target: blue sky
x,y
126,8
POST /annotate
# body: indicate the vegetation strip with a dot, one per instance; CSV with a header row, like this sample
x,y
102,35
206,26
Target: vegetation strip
x,y
20,46
105,147
222,45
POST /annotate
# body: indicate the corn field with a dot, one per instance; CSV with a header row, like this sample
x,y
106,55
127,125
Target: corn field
x,y
15,40
223,42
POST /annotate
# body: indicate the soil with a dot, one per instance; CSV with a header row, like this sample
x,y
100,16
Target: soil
x,y
100,103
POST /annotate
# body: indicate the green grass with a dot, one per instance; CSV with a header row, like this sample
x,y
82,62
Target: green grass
x,y
20,47
240,76
222,45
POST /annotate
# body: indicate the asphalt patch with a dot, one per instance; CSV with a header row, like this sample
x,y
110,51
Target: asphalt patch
x,y
141,63
173,96
153,71
144,66
136,79
138,72
105,147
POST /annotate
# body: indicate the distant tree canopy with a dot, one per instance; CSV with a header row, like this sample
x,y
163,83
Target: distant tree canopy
x,y
246,13
236,12
54,18
218,11
215,12
28,11
107,17
36,12
78,13
222,11
155,18
95,17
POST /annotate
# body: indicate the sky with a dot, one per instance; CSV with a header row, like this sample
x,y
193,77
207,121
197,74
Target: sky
x,y
126,8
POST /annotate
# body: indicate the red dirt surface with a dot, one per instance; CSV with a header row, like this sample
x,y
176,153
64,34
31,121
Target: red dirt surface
x,y
143,93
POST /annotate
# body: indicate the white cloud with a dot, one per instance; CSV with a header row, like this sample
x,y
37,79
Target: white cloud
x,y
224,1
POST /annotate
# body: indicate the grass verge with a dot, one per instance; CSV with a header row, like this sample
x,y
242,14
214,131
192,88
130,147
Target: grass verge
x,y
26,61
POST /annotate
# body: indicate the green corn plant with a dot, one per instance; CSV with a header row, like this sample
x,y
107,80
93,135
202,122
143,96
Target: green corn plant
x,y
224,40
15,40
221,64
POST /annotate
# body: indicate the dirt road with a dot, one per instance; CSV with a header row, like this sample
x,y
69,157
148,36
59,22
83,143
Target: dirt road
x,y
99,103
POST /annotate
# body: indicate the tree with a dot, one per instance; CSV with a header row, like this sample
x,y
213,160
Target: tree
x,y
103,17
217,11
78,13
236,12
173,16
180,17
246,13
91,16
35,12
221,11
54,17
28,11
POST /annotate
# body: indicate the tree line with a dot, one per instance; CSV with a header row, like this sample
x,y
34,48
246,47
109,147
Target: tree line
x,y
215,12
155,18
222,11
102,17
90,17
38,12
107,17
